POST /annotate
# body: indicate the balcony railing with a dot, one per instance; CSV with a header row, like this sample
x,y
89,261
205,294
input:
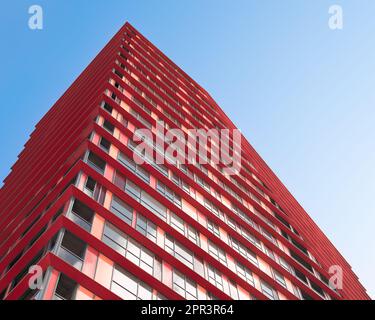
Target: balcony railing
x,y
80,221
70,257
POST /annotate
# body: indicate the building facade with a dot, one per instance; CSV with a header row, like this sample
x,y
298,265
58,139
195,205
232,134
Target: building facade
x,y
80,218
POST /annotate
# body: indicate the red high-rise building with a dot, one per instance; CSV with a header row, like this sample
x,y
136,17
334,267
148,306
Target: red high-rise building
x,y
101,226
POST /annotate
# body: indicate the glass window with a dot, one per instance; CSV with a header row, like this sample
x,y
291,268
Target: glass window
x,y
144,292
96,162
146,227
193,235
133,252
269,236
232,223
119,180
284,264
177,223
214,228
279,278
251,238
90,186
65,289
131,249
241,249
270,253
108,126
233,291
72,250
184,286
169,194
269,291
127,161
179,251
245,273
122,210
114,238
137,169
214,276
143,174
132,189
163,169
128,287
105,144
82,215
217,252
107,107
154,206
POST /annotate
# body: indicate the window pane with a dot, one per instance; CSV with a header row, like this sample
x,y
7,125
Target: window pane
x,y
133,189
154,205
144,292
122,210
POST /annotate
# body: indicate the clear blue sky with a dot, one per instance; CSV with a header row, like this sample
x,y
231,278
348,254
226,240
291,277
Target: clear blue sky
x,y
301,93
